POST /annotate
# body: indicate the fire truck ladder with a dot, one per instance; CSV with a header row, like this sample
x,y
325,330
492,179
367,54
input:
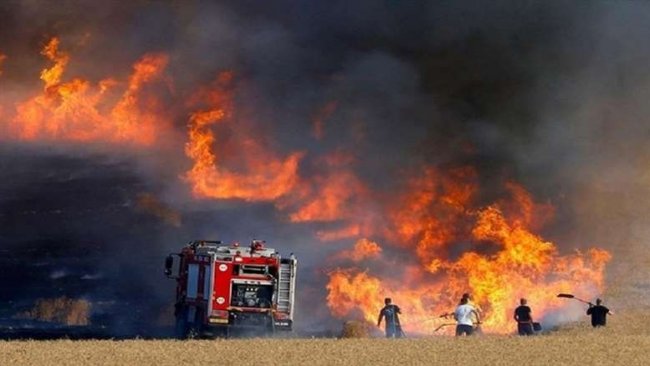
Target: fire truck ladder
x,y
285,286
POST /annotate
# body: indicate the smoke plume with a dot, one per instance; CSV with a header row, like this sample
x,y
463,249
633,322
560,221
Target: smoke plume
x,y
128,129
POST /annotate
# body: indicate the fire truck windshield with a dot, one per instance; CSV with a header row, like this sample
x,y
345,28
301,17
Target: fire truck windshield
x,y
252,296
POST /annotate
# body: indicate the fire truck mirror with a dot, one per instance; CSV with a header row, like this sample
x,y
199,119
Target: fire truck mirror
x,y
169,263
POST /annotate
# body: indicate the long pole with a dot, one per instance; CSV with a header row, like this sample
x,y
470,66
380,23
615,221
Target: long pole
x,y
393,315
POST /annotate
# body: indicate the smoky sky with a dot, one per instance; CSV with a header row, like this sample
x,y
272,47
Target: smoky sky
x,y
549,93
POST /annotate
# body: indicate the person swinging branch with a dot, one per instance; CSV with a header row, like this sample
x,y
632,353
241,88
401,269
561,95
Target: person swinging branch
x,y
463,316
391,313
479,311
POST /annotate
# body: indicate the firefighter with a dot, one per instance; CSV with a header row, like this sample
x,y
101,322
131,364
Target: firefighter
x,y
468,296
477,308
524,318
598,314
390,312
464,319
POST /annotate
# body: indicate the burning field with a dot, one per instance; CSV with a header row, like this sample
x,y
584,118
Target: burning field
x,y
395,151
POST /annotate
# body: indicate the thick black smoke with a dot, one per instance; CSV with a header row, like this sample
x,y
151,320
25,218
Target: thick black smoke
x,y
549,93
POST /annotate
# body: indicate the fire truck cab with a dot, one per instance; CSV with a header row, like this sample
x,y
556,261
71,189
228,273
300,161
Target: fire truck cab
x,y
227,288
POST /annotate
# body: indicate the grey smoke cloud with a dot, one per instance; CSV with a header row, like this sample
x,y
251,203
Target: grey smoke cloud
x,y
551,94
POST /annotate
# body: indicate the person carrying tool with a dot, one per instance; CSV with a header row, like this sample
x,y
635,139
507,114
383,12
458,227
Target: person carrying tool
x,y
476,307
524,318
468,296
390,312
463,315
598,313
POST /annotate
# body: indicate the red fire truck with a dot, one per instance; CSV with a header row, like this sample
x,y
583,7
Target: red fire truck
x,y
225,288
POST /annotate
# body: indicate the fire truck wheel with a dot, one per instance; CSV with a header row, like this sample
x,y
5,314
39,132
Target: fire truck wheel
x,y
270,327
192,333
182,327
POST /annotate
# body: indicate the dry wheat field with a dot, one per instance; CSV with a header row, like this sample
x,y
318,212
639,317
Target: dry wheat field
x,y
624,341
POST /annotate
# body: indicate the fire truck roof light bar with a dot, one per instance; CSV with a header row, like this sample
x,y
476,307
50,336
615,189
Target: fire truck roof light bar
x,y
203,242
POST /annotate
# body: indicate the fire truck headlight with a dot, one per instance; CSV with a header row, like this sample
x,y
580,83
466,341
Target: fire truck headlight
x,y
220,314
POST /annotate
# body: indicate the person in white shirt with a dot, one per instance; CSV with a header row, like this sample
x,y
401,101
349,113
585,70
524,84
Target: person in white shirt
x,y
463,316
478,309
472,303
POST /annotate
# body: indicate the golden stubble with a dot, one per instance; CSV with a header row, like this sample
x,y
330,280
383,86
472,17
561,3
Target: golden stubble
x,y
623,341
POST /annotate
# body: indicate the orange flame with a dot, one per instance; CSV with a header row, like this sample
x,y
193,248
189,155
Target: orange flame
x,y
346,232
363,249
459,249
330,193
434,213
77,110
264,176
52,76
438,240
132,123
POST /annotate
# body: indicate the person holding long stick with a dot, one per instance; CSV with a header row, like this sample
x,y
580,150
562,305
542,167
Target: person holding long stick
x,y
598,313
479,312
463,316
390,312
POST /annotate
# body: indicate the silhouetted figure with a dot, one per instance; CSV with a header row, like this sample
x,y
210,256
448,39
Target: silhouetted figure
x,y
524,318
598,314
390,312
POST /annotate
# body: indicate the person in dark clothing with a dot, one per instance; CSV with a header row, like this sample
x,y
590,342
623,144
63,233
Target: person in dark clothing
x,y
390,312
598,314
524,318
